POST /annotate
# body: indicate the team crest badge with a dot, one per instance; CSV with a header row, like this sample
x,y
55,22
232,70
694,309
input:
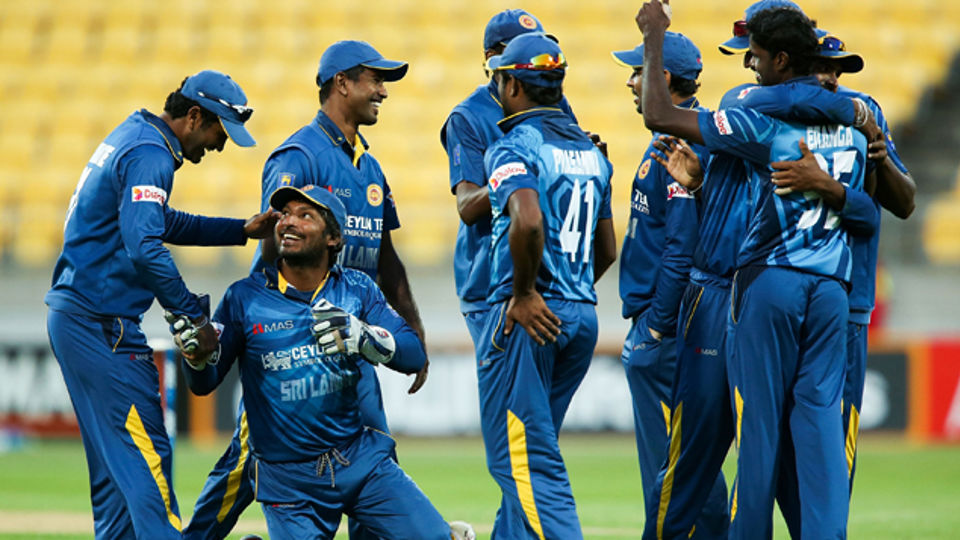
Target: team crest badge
x,y
527,21
374,195
286,179
644,169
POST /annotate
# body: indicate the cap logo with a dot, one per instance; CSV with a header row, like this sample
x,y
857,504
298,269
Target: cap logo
x,y
374,195
286,178
527,22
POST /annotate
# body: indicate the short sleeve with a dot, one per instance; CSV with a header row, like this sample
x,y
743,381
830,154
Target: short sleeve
x,y
289,167
464,151
743,133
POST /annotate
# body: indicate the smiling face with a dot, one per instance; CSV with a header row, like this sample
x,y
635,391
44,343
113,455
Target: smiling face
x,y
302,235
635,84
200,136
768,68
365,95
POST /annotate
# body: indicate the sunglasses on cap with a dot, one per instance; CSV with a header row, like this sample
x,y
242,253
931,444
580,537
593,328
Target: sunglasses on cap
x,y
740,28
243,112
541,62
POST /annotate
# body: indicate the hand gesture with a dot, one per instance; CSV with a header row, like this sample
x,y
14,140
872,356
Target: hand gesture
x,y
804,174
654,16
682,162
532,313
261,225
598,142
421,377
877,150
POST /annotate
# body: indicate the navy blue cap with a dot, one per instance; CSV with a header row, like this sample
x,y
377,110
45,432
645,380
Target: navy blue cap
x,y
680,56
344,55
833,48
507,25
529,56
740,42
320,197
219,94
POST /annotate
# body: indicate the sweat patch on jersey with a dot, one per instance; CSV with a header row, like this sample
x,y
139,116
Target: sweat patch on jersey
x,y
678,191
148,194
723,125
505,171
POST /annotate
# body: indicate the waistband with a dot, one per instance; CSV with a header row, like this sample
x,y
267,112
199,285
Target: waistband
x,y
709,279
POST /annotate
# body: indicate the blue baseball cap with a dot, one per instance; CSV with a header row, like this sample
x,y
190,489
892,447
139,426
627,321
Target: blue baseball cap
x,y
528,57
344,55
833,48
680,56
508,24
740,42
319,196
219,94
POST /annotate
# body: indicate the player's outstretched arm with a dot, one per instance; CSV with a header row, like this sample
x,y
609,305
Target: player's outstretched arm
x,y
659,112
527,308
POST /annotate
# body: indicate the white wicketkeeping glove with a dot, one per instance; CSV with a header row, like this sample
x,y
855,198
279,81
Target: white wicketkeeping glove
x,y
185,338
337,331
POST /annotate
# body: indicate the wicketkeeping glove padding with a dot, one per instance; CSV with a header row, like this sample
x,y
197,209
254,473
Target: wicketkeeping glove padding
x,y
185,332
340,332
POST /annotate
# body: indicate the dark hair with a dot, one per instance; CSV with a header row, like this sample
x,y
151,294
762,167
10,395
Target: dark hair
x,y
178,105
542,95
353,74
683,87
786,30
333,229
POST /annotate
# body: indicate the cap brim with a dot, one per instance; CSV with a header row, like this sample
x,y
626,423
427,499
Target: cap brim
x,y
494,61
735,45
391,70
849,62
237,133
285,194
629,59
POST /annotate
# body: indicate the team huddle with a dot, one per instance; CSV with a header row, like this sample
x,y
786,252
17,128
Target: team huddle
x,y
747,273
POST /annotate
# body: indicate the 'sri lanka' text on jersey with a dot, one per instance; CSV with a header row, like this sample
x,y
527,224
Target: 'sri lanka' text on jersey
x,y
546,151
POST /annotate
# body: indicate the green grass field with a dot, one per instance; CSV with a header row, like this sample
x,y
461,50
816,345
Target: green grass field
x,y
903,490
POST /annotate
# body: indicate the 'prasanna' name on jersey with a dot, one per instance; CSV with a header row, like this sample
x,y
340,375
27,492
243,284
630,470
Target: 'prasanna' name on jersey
x,y
583,162
829,137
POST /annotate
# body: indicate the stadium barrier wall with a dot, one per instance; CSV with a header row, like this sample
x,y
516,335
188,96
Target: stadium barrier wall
x,y
911,388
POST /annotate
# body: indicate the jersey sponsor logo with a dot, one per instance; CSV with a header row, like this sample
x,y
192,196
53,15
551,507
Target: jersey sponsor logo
x,y
644,169
678,191
261,328
723,125
829,137
707,352
743,93
316,385
286,178
582,162
639,202
304,355
147,357
527,22
148,194
374,195
505,171
101,154
343,193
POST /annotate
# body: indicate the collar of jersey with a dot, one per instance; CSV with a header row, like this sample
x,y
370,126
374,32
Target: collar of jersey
x,y
509,122
337,137
690,103
494,93
169,137
275,280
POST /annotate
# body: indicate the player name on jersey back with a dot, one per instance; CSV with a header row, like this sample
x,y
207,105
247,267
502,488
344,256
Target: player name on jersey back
x,y
583,162
828,136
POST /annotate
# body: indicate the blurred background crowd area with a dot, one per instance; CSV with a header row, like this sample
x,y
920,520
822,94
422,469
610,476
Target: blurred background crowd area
x,y
71,70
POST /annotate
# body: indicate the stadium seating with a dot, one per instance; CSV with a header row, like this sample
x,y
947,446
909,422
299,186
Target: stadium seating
x,y
70,71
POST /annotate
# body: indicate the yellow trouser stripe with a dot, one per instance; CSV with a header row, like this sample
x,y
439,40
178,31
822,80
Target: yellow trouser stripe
x,y
140,438
236,475
666,416
667,490
733,502
853,431
739,405
520,469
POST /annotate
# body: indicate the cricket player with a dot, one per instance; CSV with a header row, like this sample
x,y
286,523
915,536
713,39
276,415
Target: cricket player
x,y
552,238
654,269
895,190
789,303
466,134
315,458
113,264
329,152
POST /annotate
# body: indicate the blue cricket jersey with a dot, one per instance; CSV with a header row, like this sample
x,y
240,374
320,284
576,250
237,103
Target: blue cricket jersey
x,y
865,247
546,151
798,230
300,402
319,154
113,261
661,236
470,129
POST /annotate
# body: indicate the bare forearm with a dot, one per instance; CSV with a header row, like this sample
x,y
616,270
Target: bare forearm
x,y
396,289
895,189
473,202
526,250
659,112
605,248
